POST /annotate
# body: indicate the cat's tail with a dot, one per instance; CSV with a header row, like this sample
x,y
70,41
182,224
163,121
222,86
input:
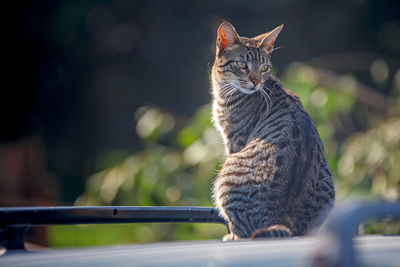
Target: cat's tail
x,y
277,230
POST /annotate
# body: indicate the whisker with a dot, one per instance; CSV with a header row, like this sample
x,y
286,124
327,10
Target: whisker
x,y
222,88
269,98
234,85
262,93
276,48
228,90
233,92
269,88
266,97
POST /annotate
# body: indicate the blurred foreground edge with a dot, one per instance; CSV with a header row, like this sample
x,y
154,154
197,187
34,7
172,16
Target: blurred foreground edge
x,y
336,246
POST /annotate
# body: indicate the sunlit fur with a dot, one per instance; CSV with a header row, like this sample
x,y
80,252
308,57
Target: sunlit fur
x,y
275,180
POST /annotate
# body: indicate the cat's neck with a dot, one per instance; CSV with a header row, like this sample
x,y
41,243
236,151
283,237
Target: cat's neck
x,y
236,114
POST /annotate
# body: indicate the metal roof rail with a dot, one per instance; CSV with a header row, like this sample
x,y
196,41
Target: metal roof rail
x,y
14,222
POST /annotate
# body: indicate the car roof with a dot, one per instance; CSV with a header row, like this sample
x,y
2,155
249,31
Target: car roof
x,y
293,251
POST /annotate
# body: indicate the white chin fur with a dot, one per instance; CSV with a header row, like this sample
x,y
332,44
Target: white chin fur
x,y
247,91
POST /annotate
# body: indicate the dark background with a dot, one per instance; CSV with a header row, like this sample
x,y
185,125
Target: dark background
x,y
76,71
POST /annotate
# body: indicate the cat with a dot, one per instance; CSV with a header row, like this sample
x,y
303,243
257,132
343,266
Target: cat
x,y
275,180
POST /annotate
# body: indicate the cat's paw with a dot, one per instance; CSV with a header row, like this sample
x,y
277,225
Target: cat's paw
x,y
230,237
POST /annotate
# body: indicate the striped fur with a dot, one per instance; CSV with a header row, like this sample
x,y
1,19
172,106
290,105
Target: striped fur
x,y
275,173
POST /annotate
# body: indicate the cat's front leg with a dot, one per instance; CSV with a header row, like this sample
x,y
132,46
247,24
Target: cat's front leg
x,y
229,237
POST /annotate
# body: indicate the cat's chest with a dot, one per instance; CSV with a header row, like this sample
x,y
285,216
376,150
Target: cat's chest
x,y
235,126
220,120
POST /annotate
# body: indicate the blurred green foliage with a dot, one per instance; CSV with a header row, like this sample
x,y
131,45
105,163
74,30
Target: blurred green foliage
x,y
180,159
175,168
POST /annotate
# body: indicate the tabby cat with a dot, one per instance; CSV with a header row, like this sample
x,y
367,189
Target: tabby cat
x,y
275,180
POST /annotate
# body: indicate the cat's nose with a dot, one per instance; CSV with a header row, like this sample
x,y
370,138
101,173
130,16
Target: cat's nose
x,y
255,81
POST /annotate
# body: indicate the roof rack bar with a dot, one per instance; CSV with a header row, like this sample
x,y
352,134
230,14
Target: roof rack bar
x,y
110,214
15,221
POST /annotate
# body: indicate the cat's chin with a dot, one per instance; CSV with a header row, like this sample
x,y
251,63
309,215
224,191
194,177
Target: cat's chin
x,y
247,91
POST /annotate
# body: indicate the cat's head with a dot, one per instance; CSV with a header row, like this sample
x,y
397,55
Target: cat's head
x,y
242,62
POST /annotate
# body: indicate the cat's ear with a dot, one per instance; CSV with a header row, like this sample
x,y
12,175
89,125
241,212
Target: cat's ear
x,y
226,37
267,42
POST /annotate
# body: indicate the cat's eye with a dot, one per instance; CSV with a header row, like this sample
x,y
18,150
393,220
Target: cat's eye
x,y
265,68
241,64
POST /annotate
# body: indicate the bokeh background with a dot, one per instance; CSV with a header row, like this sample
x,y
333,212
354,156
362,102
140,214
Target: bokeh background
x,y
107,103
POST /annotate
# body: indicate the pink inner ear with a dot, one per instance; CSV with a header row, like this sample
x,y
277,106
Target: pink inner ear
x,y
222,39
269,41
270,45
